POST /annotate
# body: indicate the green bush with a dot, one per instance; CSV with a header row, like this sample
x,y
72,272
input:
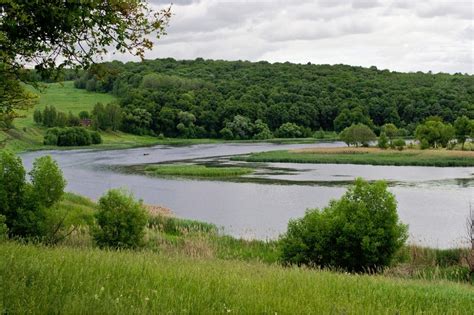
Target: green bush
x,y
359,232
359,134
121,221
72,136
383,141
47,180
95,137
399,144
3,228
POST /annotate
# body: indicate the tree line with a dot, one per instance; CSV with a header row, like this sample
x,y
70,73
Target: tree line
x,y
240,99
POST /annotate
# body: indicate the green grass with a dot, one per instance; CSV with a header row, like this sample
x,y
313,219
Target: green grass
x,y
43,280
441,158
193,170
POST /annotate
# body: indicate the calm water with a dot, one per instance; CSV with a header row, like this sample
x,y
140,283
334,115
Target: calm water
x,y
433,201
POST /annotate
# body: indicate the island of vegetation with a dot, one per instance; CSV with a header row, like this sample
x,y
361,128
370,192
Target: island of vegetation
x,y
196,171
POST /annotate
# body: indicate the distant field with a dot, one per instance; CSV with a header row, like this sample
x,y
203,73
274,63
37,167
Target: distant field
x,y
84,281
373,156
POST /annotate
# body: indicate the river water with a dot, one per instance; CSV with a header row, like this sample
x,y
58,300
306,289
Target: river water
x,y
433,201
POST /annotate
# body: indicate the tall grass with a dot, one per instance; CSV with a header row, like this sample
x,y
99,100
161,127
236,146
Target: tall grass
x,y
43,280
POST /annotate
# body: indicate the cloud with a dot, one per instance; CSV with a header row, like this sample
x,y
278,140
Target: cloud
x,y
399,35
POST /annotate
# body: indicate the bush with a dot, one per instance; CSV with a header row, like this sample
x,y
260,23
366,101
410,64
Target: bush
x,y
120,221
359,134
95,137
73,136
290,130
3,228
359,232
383,141
47,180
399,144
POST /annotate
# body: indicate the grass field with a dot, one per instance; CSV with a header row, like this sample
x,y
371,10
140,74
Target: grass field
x,y
193,170
373,156
187,266
43,280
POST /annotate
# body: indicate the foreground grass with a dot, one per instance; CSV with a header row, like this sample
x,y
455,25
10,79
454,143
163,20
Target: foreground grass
x,y
193,170
63,280
372,156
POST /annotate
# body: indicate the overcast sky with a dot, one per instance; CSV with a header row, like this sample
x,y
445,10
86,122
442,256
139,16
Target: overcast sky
x,y
401,35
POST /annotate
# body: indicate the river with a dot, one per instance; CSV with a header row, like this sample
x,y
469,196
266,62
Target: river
x,y
433,201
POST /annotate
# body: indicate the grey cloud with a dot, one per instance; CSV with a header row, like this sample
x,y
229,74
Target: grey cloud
x,y
399,35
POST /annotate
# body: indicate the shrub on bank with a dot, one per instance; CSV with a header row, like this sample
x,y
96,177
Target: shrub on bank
x,y
73,136
121,221
359,232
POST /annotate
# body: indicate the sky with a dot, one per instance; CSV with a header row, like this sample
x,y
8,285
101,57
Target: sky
x,y
399,35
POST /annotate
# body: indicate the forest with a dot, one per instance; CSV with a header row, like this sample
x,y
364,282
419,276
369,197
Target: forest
x,y
244,100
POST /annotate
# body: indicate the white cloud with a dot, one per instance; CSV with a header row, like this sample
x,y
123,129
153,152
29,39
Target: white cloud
x,y
399,35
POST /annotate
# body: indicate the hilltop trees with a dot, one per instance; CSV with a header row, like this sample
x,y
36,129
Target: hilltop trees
x,y
310,96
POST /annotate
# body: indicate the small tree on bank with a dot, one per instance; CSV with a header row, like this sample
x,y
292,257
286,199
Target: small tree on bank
x,y
358,232
359,134
121,221
462,129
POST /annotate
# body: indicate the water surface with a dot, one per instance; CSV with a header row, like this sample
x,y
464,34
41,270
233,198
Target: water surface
x,y
433,201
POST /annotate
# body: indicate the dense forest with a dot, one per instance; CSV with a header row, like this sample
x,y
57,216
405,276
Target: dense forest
x,y
241,99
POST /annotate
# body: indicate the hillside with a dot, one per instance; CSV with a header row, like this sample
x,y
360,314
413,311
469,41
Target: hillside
x,y
198,98
64,97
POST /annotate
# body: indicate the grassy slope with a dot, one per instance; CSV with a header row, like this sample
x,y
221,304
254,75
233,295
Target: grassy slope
x,y
371,156
29,136
63,280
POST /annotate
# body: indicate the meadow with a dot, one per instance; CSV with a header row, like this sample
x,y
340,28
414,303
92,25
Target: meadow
x,y
372,156
44,280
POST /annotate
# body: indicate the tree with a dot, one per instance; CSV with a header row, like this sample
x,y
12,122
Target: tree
x,y
358,135
359,232
12,185
390,130
290,130
121,221
462,129
47,180
38,117
435,133
52,35
383,141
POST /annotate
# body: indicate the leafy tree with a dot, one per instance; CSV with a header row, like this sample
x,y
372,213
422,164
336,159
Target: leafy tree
x,y
84,114
350,117
121,221
358,135
462,129
435,133
47,180
61,120
261,130
73,120
383,141
52,35
241,127
12,185
290,130
390,130
359,232
38,117
3,228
